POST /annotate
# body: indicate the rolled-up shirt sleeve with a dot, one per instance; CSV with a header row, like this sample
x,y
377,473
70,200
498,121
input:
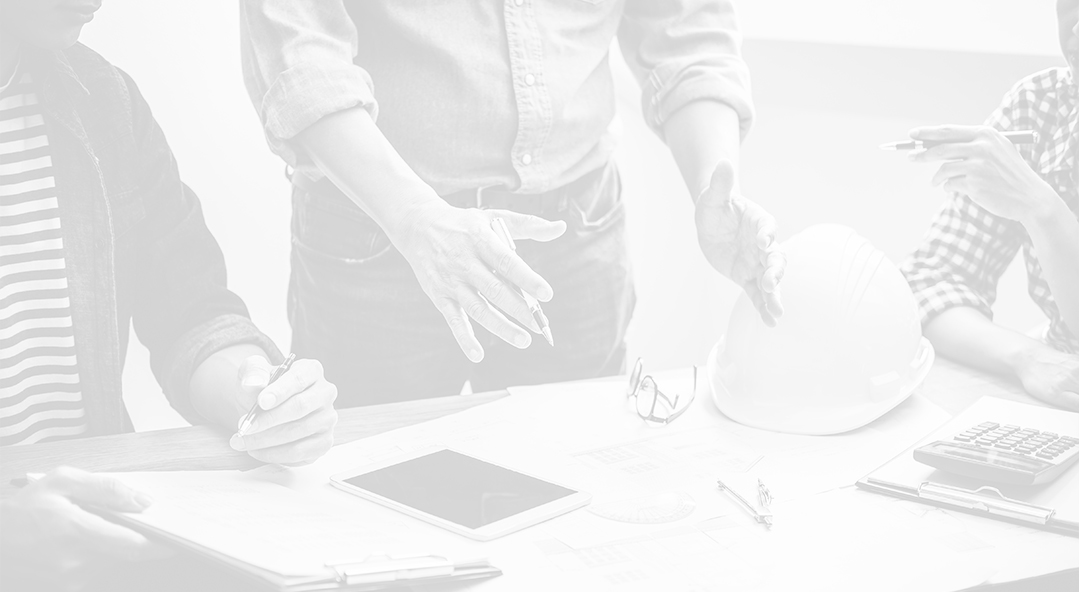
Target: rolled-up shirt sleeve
x,y
685,51
961,259
967,248
297,58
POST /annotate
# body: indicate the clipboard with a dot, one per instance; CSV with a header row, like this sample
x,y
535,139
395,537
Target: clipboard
x,y
1053,507
281,540
985,501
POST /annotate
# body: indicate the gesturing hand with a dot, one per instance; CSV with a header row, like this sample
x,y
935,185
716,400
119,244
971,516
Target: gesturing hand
x,y
985,166
455,255
1051,375
296,421
738,238
46,531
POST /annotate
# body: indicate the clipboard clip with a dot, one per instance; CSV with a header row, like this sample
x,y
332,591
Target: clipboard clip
x,y
986,499
391,568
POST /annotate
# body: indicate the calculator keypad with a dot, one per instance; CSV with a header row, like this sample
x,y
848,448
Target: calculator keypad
x,y
1025,441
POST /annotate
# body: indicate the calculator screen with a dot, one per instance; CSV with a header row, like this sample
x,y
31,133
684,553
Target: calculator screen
x,y
989,456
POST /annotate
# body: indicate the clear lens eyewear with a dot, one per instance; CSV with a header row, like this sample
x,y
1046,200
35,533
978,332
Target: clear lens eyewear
x,y
651,404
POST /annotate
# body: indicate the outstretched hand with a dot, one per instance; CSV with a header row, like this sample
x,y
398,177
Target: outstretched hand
x,y
739,240
467,271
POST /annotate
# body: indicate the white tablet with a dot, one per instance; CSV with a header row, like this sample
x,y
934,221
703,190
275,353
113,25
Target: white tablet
x,y
461,493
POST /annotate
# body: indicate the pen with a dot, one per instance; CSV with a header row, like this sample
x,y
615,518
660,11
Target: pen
x,y
499,226
764,517
1019,137
245,423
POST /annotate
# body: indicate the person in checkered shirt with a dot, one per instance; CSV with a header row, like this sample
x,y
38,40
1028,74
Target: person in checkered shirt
x,y
1006,198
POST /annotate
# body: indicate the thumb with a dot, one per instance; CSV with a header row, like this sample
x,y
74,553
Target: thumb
x,y
722,183
254,373
99,490
525,226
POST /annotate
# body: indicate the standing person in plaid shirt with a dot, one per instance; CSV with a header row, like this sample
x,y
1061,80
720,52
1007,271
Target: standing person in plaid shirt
x,y
1005,199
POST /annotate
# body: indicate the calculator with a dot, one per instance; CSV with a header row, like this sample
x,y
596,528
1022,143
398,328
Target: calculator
x,y
1005,453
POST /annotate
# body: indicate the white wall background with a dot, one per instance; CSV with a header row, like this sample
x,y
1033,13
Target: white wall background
x,y
832,79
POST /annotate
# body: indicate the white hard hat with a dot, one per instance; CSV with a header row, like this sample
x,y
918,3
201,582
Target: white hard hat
x,y
848,348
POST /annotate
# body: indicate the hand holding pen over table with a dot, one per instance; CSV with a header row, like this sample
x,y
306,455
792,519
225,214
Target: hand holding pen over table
x,y
291,415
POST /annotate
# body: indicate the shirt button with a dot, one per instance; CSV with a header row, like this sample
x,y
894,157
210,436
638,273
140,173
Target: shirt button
x,y
530,79
527,159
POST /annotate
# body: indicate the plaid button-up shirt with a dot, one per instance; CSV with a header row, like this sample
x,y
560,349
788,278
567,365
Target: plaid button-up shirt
x,y
967,248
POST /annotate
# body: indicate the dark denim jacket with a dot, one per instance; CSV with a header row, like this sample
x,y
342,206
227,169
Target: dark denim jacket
x,y
136,245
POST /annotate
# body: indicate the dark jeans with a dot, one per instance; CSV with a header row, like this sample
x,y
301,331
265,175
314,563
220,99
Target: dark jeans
x,y
355,304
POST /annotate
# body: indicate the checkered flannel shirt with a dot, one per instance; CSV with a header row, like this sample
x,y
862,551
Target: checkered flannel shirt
x,y
967,249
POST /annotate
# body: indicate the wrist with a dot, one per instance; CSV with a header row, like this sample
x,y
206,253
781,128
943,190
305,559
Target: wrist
x,y
1046,213
1022,357
407,219
216,392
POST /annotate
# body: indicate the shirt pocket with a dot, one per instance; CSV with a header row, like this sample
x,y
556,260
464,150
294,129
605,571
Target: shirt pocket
x,y
332,229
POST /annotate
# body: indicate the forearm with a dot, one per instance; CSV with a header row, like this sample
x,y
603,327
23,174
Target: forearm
x,y
967,336
1054,232
216,391
352,152
700,135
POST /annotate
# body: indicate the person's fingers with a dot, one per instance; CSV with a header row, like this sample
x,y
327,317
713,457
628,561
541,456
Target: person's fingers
x,y
298,379
500,294
528,227
300,452
254,373
100,535
481,311
507,264
947,133
950,170
99,490
320,422
766,231
945,151
756,296
1065,399
461,328
721,184
773,303
316,399
957,186
775,265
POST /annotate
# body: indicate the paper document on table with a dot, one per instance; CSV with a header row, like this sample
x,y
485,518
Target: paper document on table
x,y
599,431
282,537
843,539
587,435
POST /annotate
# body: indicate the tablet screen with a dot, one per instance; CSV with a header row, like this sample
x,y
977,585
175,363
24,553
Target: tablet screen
x,y
459,488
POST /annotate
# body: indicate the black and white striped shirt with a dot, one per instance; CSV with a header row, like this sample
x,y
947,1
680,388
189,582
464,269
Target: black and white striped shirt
x,y
40,396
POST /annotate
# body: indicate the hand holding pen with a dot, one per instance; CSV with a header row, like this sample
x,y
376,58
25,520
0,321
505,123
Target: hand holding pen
x,y
503,232
291,418
983,164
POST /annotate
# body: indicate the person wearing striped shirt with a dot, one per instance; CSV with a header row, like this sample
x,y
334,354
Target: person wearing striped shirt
x,y
1004,200
97,232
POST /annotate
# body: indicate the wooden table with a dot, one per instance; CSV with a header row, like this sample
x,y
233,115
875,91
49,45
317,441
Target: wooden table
x,y
949,385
